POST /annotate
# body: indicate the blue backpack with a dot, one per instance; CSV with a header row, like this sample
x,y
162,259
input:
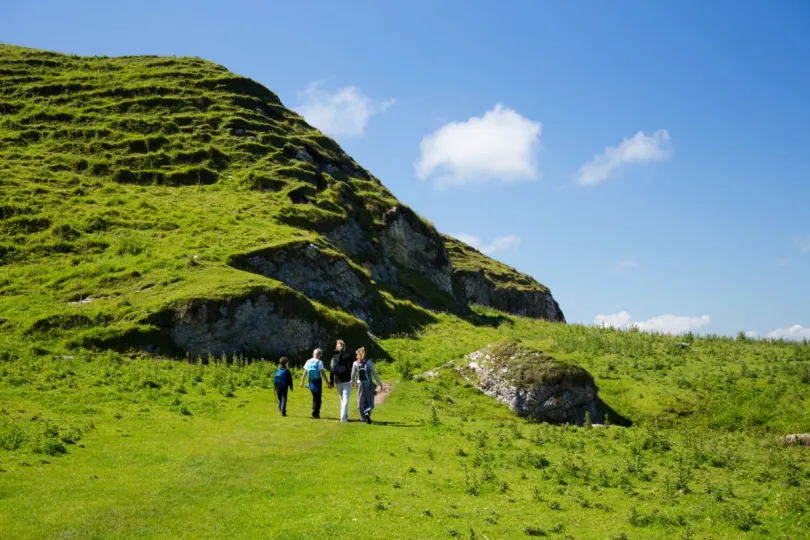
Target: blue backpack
x,y
314,372
280,380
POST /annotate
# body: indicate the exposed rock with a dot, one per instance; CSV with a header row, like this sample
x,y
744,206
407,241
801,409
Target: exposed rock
x,y
410,243
383,272
238,132
350,239
254,327
477,288
85,300
797,439
321,274
303,155
534,385
259,325
330,169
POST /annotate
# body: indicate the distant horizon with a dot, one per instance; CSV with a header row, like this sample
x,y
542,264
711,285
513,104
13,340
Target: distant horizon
x,y
645,162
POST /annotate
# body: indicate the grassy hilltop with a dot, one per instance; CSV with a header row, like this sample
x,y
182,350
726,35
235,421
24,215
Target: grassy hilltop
x,y
131,188
131,185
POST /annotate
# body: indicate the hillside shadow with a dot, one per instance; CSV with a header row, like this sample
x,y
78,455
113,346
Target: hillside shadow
x,y
610,413
394,424
482,319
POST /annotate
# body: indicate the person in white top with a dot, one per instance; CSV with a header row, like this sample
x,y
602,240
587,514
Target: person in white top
x,y
313,370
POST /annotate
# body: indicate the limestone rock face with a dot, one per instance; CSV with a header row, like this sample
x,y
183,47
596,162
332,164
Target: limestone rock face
x,y
405,251
255,327
477,288
350,239
409,243
532,385
320,274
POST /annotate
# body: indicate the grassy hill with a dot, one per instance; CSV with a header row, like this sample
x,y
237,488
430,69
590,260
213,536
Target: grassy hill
x,y
132,187
156,207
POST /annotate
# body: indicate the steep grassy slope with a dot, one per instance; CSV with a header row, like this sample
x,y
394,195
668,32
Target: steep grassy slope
x,y
129,186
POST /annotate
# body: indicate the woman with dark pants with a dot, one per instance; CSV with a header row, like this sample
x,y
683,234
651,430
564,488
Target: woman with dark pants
x,y
362,373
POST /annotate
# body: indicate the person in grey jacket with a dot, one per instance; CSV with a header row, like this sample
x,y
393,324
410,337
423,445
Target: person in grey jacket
x,y
362,373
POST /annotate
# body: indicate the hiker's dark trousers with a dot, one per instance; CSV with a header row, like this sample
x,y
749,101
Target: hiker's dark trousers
x,y
365,399
316,387
281,395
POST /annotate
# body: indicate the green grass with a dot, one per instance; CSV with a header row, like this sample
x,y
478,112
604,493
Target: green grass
x,y
142,448
467,258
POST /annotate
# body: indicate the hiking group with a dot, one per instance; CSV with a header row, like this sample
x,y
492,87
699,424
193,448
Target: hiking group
x,y
346,371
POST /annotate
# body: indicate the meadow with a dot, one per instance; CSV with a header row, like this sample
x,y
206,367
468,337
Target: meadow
x,y
105,445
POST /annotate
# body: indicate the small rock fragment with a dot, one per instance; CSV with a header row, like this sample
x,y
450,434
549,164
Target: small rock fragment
x,y
303,155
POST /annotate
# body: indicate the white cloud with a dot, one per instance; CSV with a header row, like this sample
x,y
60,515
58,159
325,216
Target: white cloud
x,y
795,332
751,334
615,320
667,324
500,243
782,262
674,324
640,148
343,112
500,145
626,264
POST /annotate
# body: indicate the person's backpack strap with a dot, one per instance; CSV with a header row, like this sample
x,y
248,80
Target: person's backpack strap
x,y
362,372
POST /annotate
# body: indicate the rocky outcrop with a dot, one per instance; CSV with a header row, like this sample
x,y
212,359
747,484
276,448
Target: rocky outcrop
x,y
350,239
318,273
534,385
475,287
260,325
410,243
407,254
798,439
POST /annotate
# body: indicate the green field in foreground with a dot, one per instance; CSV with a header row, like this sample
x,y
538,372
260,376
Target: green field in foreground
x,y
105,446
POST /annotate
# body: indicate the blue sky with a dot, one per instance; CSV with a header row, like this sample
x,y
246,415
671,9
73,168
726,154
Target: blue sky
x,y
648,161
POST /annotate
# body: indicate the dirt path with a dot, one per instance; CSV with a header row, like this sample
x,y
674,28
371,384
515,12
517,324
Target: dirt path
x,y
382,393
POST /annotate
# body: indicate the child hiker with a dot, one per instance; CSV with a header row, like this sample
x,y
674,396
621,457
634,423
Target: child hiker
x,y
283,381
313,369
362,372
